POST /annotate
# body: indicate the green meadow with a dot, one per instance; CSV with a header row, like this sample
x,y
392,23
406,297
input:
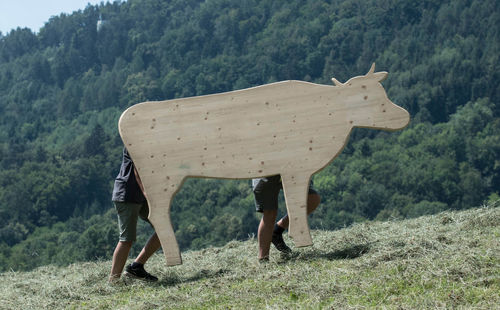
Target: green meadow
x,y
446,261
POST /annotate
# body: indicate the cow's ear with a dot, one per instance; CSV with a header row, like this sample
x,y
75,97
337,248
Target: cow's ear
x,y
336,82
380,76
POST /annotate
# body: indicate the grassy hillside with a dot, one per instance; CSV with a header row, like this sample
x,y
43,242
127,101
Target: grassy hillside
x,y
445,261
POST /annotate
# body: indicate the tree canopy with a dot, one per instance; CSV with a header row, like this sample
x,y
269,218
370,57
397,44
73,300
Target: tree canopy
x,y
63,89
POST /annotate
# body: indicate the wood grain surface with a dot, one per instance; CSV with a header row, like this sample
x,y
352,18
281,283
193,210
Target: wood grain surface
x,y
292,128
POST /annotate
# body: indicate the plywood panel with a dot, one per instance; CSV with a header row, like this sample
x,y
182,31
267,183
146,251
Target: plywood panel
x,y
292,128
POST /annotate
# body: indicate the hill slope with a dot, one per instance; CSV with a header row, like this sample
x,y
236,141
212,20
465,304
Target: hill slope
x,y
450,260
63,89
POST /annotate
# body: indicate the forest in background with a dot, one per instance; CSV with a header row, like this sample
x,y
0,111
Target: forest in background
x,y
63,89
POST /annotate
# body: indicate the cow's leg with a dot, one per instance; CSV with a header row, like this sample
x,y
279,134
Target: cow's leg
x,y
159,215
296,188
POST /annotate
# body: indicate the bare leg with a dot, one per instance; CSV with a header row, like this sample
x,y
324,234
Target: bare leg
x,y
265,232
120,256
149,249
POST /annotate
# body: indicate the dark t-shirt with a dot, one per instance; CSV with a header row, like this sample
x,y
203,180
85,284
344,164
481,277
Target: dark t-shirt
x,y
126,188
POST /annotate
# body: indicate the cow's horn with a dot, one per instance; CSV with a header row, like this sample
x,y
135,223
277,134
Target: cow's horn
x,y
372,69
336,82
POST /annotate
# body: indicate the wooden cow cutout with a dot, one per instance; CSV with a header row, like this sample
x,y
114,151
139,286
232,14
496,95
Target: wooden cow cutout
x,y
292,128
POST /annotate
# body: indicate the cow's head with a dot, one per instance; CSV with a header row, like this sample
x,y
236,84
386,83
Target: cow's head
x,y
368,104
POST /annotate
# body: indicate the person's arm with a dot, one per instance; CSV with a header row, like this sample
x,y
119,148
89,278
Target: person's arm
x,y
139,182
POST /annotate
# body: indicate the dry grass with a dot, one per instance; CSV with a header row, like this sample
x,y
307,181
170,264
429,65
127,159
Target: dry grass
x,y
447,261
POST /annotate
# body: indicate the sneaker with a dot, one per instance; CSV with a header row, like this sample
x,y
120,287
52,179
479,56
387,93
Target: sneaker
x,y
138,272
280,244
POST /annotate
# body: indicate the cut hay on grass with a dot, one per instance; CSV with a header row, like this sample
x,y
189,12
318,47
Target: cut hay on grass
x,y
446,261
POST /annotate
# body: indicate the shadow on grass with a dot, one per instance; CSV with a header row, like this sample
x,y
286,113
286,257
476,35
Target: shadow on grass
x,y
202,274
348,252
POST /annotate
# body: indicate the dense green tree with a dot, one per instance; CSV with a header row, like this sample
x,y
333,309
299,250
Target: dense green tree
x,y
62,91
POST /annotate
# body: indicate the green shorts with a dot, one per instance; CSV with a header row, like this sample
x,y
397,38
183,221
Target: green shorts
x,y
266,191
128,213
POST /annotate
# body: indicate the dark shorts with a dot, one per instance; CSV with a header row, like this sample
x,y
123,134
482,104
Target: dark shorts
x,y
128,213
266,192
